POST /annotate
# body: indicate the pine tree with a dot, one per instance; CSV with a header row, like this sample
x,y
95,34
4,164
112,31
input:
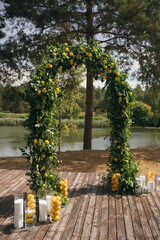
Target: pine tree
x,y
126,27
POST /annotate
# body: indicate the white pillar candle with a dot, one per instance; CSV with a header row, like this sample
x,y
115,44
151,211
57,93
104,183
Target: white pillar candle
x,y
143,180
150,185
42,210
139,181
49,201
18,213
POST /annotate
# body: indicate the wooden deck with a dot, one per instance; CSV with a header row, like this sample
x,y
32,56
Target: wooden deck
x,y
90,215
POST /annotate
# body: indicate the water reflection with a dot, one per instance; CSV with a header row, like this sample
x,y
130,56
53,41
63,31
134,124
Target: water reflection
x,y
11,139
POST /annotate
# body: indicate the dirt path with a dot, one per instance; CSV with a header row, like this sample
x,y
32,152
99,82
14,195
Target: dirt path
x,y
91,161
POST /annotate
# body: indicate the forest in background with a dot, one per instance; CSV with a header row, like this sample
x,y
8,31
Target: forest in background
x,y
146,106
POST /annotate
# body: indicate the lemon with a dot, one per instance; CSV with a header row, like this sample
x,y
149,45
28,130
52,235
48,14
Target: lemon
x,y
56,218
116,79
105,77
90,55
39,92
75,64
117,74
42,106
50,80
122,170
119,94
130,94
115,159
43,155
71,62
42,82
60,67
45,175
105,61
58,198
87,53
46,142
67,49
112,64
44,90
29,220
57,213
109,71
63,54
33,205
71,54
44,185
35,141
122,83
29,215
30,196
118,147
105,67
57,90
54,54
101,74
65,44
50,66
40,118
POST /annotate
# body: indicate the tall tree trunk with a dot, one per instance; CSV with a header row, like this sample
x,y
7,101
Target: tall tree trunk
x,y
89,112
87,141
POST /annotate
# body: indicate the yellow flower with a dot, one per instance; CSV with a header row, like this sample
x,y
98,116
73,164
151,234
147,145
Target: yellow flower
x,y
50,66
109,71
54,54
35,141
71,54
105,67
65,44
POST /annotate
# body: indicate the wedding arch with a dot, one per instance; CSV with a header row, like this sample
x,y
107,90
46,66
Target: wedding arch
x,y
44,94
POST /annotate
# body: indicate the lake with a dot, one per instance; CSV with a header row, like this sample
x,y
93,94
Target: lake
x,y
11,139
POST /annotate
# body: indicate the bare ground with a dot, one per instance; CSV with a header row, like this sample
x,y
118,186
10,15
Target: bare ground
x,y
91,161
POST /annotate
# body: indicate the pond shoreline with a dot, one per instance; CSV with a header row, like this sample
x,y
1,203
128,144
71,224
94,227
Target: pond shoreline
x,y
91,161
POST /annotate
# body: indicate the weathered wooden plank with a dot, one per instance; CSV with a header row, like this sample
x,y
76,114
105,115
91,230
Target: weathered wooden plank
x,y
150,217
138,232
121,234
155,210
112,218
104,216
127,219
143,219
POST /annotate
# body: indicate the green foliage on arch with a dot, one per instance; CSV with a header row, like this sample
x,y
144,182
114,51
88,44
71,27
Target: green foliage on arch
x,y
44,94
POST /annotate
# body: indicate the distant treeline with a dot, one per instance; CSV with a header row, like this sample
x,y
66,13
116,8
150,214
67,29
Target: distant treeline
x,y
145,107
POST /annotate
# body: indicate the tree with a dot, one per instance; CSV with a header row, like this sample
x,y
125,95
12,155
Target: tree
x,y
125,27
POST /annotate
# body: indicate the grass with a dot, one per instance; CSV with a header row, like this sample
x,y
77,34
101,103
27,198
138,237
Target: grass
x,y
17,119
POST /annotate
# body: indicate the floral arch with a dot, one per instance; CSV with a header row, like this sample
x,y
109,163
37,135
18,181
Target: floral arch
x,y
44,94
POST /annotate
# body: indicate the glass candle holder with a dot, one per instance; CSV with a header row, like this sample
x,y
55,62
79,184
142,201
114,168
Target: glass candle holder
x,y
158,183
145,191
49,201
18,210
42,210
30,210
150,185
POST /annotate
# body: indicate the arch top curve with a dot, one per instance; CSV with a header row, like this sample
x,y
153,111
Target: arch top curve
x,y
64,57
